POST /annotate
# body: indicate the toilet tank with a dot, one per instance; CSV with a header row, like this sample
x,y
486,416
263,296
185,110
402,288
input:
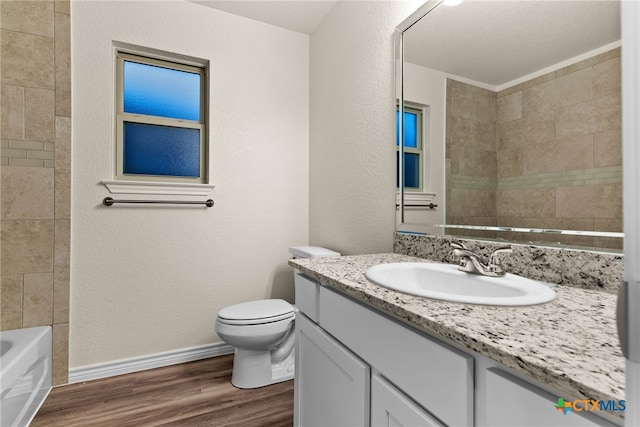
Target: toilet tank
x,y
312,252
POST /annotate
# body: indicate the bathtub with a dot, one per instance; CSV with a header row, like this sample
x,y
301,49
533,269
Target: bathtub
x,y
25,374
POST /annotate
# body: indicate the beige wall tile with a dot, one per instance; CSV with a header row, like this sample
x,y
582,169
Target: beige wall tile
x,y
471,133
600,115
27,246
607,224
63,65
61,270
27,193
589,201
33,17
27,60
561,155
509,107
509,162
480,163
487,106
40,114
540,98
63,168
472,203
607,148
63,144
608,113
12,112
10,302
526,202
63,6
534,130
455,154
576,119
574,88
60,357
607,78
38,300
463,103
62,195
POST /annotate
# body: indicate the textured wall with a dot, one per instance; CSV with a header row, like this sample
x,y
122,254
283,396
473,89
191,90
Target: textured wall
x,y
149,279
35,163
352,163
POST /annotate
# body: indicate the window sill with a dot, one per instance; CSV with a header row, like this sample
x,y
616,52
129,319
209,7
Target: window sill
x,y
416,199
162,188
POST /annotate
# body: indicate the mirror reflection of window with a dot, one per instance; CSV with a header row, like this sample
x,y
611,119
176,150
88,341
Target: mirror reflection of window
x,y
413,148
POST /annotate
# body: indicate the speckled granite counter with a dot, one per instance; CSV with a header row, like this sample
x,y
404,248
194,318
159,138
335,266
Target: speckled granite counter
x,y
570,344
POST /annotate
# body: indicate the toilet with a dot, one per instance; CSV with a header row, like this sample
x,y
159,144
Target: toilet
x,y
263,335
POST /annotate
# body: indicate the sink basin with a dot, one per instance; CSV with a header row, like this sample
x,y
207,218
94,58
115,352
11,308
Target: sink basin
x,y
446,282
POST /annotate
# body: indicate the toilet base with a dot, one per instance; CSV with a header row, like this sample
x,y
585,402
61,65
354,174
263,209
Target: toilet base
x,y
254,368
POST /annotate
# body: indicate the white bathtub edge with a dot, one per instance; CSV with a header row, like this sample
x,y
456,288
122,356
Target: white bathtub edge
x,y
151,361
43,398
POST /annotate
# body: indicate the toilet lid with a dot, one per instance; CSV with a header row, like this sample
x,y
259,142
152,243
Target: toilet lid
x,y
260,311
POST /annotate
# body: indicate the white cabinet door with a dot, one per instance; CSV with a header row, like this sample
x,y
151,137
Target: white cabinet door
x,y
391,408
435,375
513,402
332,384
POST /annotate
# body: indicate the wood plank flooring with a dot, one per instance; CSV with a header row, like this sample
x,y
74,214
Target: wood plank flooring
x,y
192,394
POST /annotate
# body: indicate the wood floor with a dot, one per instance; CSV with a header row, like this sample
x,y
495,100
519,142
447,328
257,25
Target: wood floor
x,y
188,395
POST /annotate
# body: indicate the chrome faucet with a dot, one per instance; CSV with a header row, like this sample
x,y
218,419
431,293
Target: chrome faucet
x,y
471,262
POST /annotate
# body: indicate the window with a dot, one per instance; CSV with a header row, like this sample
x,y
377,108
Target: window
x,y
413,153
160,118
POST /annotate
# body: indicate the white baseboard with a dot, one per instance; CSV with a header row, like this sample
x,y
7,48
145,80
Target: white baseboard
x,y
142,363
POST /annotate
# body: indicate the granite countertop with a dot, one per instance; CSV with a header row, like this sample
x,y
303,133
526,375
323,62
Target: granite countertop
x,y
570,344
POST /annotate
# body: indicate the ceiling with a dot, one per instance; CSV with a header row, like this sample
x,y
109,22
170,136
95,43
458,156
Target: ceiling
x,y
496,42
303,16
490,41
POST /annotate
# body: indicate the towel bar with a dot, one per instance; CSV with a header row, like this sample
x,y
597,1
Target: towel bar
x,y
108,201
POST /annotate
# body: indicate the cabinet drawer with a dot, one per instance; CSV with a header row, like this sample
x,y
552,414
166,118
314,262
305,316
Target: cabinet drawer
x,y
307,296
512,401
436,376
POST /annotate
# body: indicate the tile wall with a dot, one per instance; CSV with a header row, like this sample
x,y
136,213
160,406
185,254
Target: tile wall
x,y
556,161
35,134
471,162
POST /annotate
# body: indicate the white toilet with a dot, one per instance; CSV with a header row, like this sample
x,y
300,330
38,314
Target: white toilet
x,y
262,333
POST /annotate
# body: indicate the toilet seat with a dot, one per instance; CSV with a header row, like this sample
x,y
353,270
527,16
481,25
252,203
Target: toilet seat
x,y
256,312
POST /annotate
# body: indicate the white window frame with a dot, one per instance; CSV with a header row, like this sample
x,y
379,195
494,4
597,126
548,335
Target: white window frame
x,y
122,117
419,150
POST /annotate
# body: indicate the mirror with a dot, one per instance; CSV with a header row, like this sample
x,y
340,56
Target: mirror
x,y
517,111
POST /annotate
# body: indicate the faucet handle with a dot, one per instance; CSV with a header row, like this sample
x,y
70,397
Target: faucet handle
x,y
501,250
458,245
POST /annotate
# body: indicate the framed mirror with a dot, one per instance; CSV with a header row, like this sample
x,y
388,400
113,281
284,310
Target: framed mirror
x,y
509,122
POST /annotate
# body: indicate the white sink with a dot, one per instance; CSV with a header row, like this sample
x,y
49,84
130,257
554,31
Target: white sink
x,y
446,282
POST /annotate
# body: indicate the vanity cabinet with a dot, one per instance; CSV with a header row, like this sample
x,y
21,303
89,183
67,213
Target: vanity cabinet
x,y
391,408
332,384
357,366
512,401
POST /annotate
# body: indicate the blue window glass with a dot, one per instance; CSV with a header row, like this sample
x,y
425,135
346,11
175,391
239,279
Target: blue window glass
x,y
163,92
411,170
410,129
161,150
